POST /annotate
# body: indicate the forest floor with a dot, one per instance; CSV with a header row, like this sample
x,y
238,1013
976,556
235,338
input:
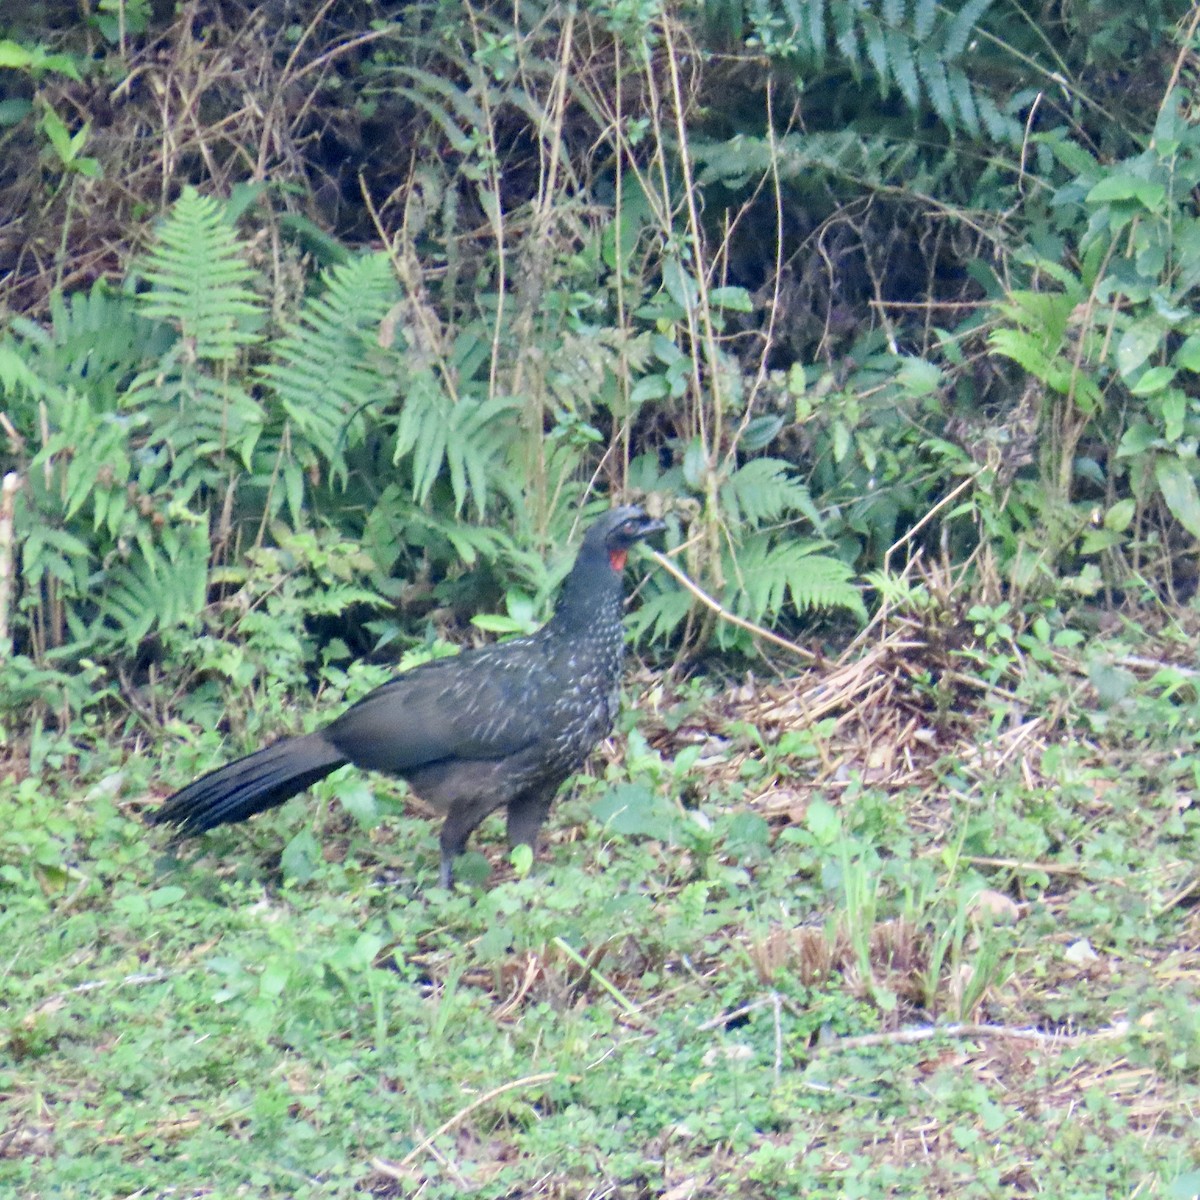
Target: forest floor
x,y
921,922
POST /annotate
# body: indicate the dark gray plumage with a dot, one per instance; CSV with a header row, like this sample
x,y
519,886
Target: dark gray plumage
x,y
499,726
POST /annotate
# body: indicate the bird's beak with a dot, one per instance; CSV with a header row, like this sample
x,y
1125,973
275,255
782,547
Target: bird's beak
x,y
650,526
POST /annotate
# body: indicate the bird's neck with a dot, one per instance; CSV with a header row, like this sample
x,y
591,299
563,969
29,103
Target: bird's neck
x,y
591,595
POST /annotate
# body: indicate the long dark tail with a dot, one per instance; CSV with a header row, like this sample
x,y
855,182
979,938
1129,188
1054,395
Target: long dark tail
x,y
251,785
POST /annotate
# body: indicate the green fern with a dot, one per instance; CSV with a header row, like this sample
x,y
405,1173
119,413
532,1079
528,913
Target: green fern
x,y
51,554
661,610
89,447
915,46
767,572
328,367
767,575
96,342
163,584
200,281
865,161
187,398
763,490
18,380
1039,338
199,418
466,437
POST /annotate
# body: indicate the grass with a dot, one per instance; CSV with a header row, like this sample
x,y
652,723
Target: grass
x,y
905,935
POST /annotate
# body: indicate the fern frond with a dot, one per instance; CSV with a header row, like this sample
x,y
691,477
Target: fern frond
x,y
917,47
962,25
467,437
160,585
762,490
421,431
660,612
478,434
53,553
327,367
200,280
198,418
766,573
17,378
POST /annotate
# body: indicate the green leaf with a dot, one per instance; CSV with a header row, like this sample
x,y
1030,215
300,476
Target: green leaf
x,y
633,810
1152,380
1138,342
1149,194
164,897
14,109
823,821
1179,491
1137,439
1094,541
747,833
1112,683
649,387
301,857
1185,1187
1174,411
735,299
358,799
680,284
760,432
521,857
1187,357
1120,515
12,54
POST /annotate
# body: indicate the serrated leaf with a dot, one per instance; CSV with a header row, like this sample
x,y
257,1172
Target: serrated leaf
x,y
301,857
962,26
633,810
1148,193
924,18
762,490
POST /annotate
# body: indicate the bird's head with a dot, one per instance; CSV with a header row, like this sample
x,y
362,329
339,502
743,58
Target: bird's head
x,y
619,529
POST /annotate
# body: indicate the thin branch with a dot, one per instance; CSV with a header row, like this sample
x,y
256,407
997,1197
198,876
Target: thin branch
x,y
724,613
926,1033
398,1170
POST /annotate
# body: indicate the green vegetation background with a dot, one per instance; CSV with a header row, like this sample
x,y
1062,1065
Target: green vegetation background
x,y
324,328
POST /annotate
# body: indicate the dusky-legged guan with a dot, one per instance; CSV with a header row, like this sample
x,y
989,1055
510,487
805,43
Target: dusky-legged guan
x,y
499,726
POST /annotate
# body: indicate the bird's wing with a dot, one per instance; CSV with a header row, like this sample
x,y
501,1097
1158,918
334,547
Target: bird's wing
x,y
481,704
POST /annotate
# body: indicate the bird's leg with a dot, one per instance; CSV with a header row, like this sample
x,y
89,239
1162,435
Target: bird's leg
x,y
459,825
526,815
